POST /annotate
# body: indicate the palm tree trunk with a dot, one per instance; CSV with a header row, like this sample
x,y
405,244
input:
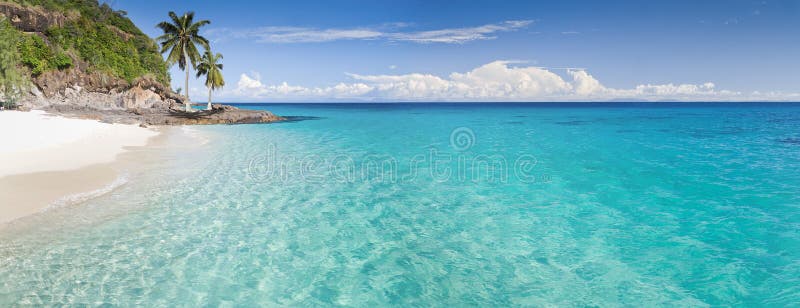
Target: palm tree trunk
x,y
188,102
209,99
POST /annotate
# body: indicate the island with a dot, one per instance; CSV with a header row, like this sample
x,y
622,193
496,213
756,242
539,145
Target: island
x,y
83,59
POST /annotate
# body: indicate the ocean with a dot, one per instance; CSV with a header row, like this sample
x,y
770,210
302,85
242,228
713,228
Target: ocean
x,y
567,204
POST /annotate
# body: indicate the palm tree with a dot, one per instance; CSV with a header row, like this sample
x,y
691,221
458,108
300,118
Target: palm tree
x,y
210,67
181,38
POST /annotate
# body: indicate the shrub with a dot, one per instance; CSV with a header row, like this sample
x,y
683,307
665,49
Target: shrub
x,y
11,79
39,57
62,61
8,105
34,53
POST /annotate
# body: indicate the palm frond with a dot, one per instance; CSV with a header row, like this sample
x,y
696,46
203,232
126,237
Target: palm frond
x,y
211,69
188,19
169,43
193,54
168,28
175,19
202,41
195,27
180,40
176,56
165,37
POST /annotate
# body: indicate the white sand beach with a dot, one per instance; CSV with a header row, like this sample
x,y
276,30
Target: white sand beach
x,y
44,158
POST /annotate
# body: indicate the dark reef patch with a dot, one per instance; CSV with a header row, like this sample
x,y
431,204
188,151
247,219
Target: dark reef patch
x,y
792,140
301,118
651,117
573,123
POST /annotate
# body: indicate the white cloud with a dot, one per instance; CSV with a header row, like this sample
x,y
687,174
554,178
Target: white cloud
x,y
315,35
460,35
732,21
495,81
584,84
251,88
303,35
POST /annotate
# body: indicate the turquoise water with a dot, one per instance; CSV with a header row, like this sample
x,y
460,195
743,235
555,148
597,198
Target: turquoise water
x,y
420,205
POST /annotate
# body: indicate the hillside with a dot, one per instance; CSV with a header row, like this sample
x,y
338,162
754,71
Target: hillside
x,y
83,59
71,47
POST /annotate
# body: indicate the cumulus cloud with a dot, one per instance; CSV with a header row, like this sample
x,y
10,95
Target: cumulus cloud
x,y
495,81
250,87
316,35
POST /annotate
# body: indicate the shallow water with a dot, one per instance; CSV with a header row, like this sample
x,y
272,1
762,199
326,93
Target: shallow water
x,y
455,204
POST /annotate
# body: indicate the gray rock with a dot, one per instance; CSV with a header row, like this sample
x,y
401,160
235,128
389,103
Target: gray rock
x,y
223,114
31,19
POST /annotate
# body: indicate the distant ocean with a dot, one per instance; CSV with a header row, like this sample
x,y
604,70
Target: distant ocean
x,y
568,204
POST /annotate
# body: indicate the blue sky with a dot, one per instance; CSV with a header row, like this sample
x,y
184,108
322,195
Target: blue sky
x,y
495,50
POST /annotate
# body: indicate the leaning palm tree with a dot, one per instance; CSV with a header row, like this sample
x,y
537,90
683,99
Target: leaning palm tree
x,y
210,67
180,39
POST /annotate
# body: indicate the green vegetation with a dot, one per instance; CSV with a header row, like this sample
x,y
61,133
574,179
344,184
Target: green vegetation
x,y
94,37
39,57
212,69
95,34
180,39
11,79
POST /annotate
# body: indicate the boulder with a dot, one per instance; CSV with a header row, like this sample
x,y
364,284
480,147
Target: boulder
x,y
137,97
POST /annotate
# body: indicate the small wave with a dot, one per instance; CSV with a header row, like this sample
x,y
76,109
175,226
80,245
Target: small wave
x,y
195,133
85,196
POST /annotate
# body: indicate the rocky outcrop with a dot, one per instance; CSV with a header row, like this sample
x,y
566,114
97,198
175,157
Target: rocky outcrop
x,y
143,98
82,84
97,90
87,92
144,101
55,82
31,19
221,114
75,95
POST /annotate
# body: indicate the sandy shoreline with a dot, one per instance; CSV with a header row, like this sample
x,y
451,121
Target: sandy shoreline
x,y
46,160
